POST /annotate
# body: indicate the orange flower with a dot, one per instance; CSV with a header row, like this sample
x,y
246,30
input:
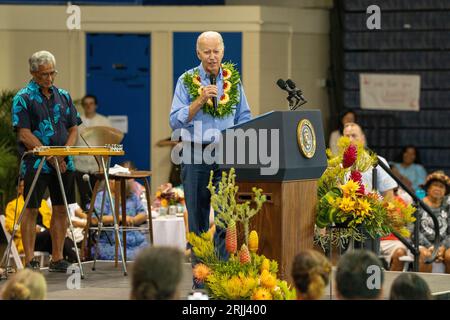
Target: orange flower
x,y
244,255
201,272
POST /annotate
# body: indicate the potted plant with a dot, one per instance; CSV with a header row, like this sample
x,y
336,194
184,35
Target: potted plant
x,y
8,151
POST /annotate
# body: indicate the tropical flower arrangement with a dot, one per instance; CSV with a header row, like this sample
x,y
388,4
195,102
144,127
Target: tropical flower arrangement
x,y
246,274
230,96
167,196
400,215
346,208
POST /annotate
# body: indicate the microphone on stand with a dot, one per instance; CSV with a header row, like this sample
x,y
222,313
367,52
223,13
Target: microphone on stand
x,y
283,86
212,79
87,179
294,88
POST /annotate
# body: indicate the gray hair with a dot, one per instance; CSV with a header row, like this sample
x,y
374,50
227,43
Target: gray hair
x,y
210,34
41,58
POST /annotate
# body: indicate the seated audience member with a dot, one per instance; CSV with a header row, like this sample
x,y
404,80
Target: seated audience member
x,y
347,116
410,286
156,275
359,276
409,169
136,187
87,164
43,240
25,285
311,273
136,215
79,221
437,187
385,185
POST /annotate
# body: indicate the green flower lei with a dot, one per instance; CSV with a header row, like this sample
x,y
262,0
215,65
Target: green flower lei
x,y
224,108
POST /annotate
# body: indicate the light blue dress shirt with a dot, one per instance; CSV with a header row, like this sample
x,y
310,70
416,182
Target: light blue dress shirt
x,y
179,113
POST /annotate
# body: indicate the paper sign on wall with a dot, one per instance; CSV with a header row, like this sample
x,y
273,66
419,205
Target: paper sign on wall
x,y
119,122
389,92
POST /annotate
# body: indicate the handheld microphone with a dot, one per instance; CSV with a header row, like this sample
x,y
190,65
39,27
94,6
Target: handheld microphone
x,y
212,79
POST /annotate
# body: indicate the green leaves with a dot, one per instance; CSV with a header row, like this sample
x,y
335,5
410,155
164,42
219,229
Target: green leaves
x,y
223,201
8,153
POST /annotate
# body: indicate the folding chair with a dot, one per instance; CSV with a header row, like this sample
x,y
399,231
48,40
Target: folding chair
x,y
17,258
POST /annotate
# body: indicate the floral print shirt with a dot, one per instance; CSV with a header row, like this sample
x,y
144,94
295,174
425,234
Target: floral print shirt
x,y
427,234
48,119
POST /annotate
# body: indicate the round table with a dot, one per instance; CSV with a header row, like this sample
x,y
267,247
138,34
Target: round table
x,y
169,231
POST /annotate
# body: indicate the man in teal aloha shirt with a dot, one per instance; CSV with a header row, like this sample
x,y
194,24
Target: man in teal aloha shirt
x,y
44,115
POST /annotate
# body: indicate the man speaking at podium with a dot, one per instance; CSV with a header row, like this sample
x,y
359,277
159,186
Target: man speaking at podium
x,y
210,97
44,115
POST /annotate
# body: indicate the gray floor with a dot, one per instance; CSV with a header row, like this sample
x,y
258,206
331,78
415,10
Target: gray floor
x,y
109,283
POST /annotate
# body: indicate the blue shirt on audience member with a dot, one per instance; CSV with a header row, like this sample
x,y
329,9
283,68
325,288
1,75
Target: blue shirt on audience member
x,y
136,240
415,173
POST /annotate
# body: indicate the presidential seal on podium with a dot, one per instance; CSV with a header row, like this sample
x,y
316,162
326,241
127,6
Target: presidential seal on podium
x,y
306,138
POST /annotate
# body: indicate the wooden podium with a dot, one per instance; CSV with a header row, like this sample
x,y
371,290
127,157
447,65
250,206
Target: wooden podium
x,y
286,222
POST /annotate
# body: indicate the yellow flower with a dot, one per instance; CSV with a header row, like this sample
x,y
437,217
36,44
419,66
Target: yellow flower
x,y
199,91
347,204
261,294
350,188
364,207
253,241
158,194
196,80
164,203
268,280
265,265
343,143
224,98
233,287
226,73
248,284
209,102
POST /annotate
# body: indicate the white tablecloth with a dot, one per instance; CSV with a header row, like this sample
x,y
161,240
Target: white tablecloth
x,y
169,231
